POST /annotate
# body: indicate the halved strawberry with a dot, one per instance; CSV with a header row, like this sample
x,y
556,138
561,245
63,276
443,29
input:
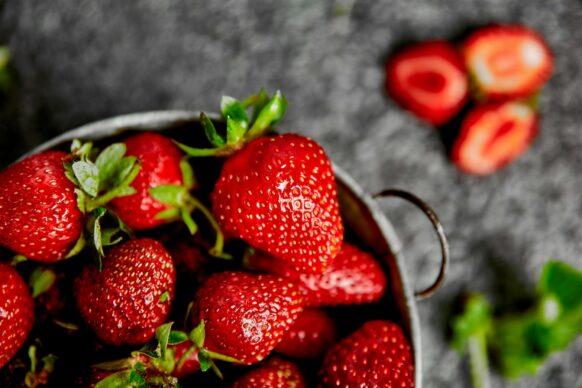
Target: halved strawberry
x,y
429,79
493,135
507,61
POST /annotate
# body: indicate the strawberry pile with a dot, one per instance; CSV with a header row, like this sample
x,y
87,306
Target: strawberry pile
x,y
503,66
154,258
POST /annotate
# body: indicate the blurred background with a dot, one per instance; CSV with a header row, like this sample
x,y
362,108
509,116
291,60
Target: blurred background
x,y
80,61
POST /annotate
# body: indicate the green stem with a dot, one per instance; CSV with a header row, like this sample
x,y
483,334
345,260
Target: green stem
x,y
479,362
219,242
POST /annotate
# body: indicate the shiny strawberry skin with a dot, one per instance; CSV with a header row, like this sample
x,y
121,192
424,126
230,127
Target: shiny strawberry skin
x,y
279,194
16,312
246,315
274,373
310,336
499,66
354,277
123,303
429,79
376,355
160,165
39,217
493,135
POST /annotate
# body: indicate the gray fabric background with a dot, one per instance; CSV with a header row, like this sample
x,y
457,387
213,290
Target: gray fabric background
x,y
79,61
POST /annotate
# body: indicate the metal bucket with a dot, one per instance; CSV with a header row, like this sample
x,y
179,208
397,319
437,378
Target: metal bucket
x,y
360,212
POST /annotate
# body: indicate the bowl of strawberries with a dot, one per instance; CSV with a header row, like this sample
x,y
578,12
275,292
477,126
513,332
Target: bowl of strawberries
x,y
182,248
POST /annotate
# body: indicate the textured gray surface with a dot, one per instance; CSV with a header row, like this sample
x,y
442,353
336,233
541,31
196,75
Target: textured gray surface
x,y
80,61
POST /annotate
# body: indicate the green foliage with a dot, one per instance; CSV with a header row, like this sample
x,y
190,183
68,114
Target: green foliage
x,y
521,342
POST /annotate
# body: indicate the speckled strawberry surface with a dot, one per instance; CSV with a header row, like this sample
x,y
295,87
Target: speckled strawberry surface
x,y
354,277
376,355
279,195
39,217
246,315
310,336
186,359
131,296
16,312
275,373
160,165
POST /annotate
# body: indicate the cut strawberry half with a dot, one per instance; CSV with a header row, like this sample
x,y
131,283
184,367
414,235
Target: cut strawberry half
x,y
507,61
429,79
493,135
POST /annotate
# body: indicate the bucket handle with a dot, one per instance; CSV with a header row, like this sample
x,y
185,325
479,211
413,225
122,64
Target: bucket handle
x,y
438,228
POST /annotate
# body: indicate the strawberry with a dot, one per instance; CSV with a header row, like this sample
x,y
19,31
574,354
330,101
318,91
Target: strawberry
x,y
429,79
246,315
39,217
276,193
507,61
279,195
187,255
310,336
131,296
354,277
275,373
376,355
16,312
493,135
160,163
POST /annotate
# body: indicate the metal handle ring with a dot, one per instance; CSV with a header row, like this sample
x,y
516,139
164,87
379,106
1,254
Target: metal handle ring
x,y
438,227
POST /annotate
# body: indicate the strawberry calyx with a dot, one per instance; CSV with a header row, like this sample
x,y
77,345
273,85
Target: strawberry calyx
x,y
100,177
240,129
41,280
181,205
38,375
155,363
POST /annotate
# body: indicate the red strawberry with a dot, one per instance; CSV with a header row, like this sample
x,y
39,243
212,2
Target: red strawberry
x,y
246,315
39,217
507,61
376,355
493,135
429,79
16,312
354,277
131,296
275,373
279,195
160,165
310,336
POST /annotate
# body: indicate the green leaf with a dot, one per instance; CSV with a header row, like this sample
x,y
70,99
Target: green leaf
x,y
198,152
108,163
169,214
172,195
116,380
163,335
258,102
95,228
198,334
564,283
88,176
41,280
237,121
78,247
177,337
205,361
210,130
164,297
81,200
189,221
80,149
187,174
16,259
136,380
69,173
32,358
474,319
270,115
110,236
48,363
221,357
128,169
